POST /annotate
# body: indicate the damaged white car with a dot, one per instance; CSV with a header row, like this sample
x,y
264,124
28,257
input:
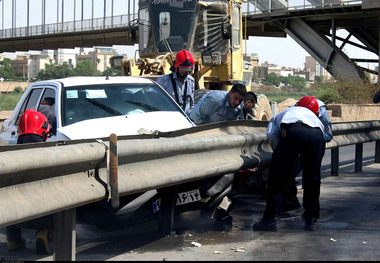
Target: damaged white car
x,y
95,107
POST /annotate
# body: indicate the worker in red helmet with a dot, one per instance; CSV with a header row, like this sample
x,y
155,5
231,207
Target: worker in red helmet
x,y
33,127
180,84
300,133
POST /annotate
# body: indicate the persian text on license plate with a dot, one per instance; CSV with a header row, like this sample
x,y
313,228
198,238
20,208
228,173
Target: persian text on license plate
x,y
188,197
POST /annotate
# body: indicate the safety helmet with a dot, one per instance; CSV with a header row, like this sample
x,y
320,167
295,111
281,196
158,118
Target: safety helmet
x,y
309,102
33,122
184,59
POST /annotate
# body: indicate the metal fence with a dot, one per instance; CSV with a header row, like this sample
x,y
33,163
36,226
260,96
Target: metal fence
x,y
54,177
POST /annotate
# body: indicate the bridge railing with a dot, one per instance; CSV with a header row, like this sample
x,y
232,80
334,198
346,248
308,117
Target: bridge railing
x,y
253,7
71,26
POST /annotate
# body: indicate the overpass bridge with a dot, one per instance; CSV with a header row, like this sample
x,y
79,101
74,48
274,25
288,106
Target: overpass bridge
x,y
311,23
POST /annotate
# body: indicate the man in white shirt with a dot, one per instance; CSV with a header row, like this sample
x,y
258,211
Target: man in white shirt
x,y
300,133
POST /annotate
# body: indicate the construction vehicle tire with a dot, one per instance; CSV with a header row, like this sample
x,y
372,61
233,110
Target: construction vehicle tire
x,y
262,111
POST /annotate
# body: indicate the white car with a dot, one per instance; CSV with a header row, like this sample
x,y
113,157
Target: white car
x,y
95,107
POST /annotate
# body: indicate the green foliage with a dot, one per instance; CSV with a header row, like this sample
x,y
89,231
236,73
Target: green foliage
x,y
6,69
9,101
271,79
111,72
85,68
18,90
280,94
354,91
291,83
53,71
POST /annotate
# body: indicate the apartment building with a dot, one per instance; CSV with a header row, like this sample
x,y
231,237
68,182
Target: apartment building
x,y
99,57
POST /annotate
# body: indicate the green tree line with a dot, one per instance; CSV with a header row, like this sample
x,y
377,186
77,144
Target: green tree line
x,y
52,71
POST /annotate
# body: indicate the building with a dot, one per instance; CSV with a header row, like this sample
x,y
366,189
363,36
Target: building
x,y
36,63
20,66
100,57
315,69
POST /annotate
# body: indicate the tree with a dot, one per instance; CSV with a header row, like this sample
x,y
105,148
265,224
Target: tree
x,y
111,72
6,69
272,79
53,71
298,83
86,68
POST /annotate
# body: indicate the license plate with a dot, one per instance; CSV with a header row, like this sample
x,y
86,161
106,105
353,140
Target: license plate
x,y
182,198
188,197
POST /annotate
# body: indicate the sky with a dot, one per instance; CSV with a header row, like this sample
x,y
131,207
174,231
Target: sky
x,y
279,51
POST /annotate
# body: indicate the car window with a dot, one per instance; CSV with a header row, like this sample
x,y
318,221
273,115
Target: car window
x,y
99,101
31,101
47,107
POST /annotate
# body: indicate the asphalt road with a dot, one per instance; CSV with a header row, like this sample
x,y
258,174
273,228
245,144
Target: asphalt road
x,y
348,230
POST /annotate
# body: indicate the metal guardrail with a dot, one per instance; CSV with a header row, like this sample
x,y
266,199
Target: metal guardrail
x,y
74,174
54,177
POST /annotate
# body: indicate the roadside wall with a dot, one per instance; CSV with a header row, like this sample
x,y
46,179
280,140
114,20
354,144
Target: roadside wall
x,y
337,112
343,112
9,86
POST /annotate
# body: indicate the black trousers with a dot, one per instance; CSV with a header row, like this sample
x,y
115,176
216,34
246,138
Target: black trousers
x,y
308,143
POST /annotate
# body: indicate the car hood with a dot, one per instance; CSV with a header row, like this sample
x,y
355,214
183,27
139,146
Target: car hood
x,y
143,123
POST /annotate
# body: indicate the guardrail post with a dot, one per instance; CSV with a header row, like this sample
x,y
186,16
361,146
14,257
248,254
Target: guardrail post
x,y
113,176
65,235
168,201
358,157
377,152
334,161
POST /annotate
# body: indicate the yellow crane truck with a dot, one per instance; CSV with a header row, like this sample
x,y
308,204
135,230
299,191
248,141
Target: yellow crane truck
x,y
212,30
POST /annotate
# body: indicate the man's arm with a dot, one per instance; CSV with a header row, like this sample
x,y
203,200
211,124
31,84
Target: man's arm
x,y
327,132
273,133
203,110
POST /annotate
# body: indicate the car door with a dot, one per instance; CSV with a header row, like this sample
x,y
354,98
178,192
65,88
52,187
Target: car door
x,y
30,100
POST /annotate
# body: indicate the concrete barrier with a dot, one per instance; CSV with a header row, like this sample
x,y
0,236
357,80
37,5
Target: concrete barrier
x,y
343,112
9,86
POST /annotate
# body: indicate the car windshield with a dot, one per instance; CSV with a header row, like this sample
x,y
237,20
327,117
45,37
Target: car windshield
x,y
81,103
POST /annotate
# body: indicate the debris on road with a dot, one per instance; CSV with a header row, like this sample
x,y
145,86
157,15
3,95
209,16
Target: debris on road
x,y
333,240
196,244
238,249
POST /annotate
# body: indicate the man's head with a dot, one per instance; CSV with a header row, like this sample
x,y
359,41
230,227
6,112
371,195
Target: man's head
x,y
33,122
310,103
48,101
250,101
184,63
236,95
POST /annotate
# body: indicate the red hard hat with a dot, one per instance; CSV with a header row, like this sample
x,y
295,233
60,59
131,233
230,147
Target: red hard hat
x,y
309,102
33,122
184,59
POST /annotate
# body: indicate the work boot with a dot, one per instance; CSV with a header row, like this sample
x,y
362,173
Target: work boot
x,y
290,204
43,237
311,223
267,224
16,245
